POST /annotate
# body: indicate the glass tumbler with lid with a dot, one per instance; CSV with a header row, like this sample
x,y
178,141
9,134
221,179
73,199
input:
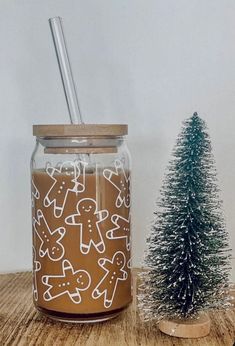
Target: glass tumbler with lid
x,y
81,221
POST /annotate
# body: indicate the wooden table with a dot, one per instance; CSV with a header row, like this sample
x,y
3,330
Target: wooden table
x,y
21,324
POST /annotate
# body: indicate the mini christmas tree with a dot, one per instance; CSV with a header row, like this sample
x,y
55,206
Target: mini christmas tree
x,y
187,256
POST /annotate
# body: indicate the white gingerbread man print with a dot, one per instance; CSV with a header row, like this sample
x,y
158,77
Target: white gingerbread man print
x,y
35,192
71,282
121,229
36,268
89,219
114,272
50,240
123,186
129,263
59,190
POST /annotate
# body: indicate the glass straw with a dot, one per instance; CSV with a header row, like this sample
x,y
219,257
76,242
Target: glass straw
x,y
65,70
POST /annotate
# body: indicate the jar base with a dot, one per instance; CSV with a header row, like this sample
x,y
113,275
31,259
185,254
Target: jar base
x,y
80,318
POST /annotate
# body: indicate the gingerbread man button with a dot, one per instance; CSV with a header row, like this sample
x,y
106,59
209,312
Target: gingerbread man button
x,y
89,219
114,272
60,188
120,179
71,282
50,240
121,229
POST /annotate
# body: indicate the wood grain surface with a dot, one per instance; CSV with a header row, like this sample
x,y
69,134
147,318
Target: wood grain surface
x,y
21,324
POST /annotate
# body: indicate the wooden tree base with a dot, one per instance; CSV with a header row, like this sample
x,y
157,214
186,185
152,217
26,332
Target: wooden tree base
x,y
191,328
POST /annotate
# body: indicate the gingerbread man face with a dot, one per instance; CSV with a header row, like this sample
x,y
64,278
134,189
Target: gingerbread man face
x,y
89,219
67,177
70,283
83,280
119,260
120,179
87,205
50,240
114,272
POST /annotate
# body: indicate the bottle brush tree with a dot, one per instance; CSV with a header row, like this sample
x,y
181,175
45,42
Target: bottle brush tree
x,y
187,255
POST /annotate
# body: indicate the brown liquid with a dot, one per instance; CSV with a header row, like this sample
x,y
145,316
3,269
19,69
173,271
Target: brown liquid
x,y
81,240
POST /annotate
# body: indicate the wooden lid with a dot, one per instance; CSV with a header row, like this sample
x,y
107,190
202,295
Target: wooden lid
x,y
104,130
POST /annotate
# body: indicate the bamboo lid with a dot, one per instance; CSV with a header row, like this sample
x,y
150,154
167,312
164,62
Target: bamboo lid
x,y
81,130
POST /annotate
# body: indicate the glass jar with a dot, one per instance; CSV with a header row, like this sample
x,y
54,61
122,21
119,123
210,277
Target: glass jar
x,y
81,221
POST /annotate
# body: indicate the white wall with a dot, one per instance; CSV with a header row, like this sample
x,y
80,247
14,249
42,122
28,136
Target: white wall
x,y
146,63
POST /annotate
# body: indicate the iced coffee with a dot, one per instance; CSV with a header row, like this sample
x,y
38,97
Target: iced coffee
x,y
81,235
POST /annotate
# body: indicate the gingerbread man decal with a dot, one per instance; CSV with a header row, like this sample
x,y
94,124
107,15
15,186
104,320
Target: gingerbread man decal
x,y
35,192
58,192
36,268
121,229
71,282
129,263
89,219
50,240
121,181
114,272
